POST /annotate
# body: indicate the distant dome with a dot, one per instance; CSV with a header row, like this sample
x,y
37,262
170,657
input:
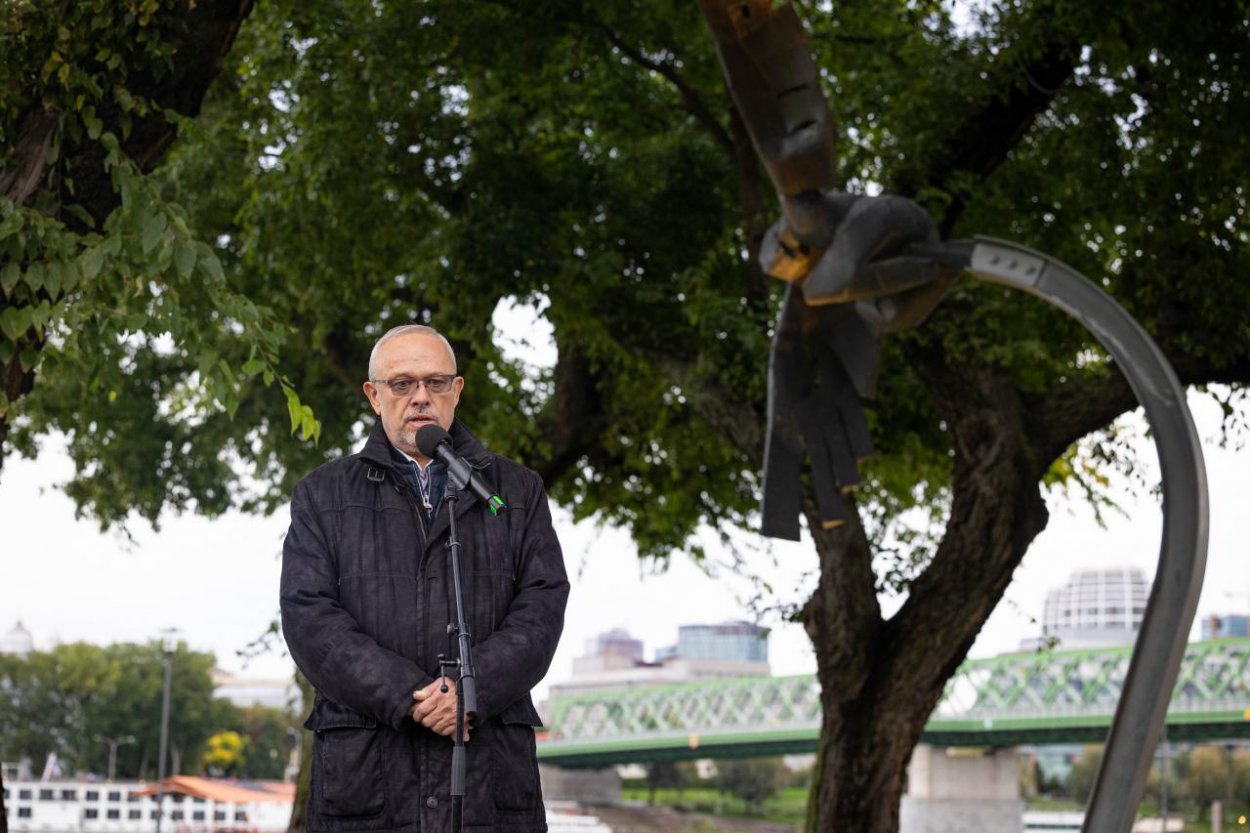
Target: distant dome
x,y
17,641
1097,608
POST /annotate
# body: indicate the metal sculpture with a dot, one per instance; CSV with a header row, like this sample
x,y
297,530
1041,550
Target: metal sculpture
x,y
861,266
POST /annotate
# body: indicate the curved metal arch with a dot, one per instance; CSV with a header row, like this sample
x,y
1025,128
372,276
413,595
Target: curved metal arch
x,y
1160,646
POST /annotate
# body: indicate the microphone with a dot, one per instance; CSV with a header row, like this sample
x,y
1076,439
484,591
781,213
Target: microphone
x,y
435,443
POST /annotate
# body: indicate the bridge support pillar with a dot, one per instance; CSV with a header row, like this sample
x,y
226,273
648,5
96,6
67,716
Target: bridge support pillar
x,y
953,790
585,786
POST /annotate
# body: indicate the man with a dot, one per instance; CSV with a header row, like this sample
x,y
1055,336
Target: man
x,y
367,599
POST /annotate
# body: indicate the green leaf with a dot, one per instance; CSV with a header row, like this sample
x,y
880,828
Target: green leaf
x,y
293,410
210,265
152,231
11,224
184,259
9,277
52,278
251,367
308,423
92,262
14,321
81,215
35,276
30,357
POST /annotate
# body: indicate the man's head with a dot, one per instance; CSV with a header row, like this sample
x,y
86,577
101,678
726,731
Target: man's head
x,y
400,358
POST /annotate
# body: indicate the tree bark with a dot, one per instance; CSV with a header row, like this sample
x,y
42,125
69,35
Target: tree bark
x,y
880,680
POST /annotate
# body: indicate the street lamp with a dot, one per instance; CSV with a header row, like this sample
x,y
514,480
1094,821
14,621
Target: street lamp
x,y
113,743
168,645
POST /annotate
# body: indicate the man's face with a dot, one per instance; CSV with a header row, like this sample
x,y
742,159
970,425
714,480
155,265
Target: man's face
x,y
412,356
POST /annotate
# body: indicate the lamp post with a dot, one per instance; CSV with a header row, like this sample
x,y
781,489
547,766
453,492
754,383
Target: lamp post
x,y
112,744
168,645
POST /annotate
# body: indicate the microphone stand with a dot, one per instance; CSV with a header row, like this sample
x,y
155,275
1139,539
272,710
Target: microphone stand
x,y
466,683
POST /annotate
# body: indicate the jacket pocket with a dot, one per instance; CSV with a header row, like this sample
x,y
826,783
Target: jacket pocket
x,y
347,762
515,774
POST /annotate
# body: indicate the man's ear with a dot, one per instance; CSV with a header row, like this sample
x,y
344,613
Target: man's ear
x,y
371,392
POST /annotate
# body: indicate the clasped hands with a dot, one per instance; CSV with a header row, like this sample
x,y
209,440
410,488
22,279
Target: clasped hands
x,y
435,709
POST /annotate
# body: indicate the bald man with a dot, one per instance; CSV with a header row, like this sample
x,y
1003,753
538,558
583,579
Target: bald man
x,y
367,599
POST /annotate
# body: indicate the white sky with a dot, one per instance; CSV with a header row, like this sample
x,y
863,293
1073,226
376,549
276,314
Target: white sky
x,y
216,581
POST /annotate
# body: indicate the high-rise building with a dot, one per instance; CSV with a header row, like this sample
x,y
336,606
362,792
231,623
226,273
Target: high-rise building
x,y
1097,608
727,642
614,659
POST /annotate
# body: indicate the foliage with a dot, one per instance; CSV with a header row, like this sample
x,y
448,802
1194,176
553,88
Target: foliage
x,y
787,807
754,780
224,753
124,308
1239,787
267,735
1081,776
1208,776
672,775
66,700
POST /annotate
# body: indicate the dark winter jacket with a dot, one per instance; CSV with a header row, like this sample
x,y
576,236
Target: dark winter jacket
x,y
366,600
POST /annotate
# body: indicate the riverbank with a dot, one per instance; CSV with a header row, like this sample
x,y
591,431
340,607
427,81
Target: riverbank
x,y
659,819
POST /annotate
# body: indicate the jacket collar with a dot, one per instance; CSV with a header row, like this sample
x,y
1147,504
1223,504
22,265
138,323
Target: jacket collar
x,y
377,448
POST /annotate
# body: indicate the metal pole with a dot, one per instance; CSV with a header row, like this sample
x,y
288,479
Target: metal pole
x,y
168,646
113,743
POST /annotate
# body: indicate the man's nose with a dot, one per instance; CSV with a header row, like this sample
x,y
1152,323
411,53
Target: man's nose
x,y
420,395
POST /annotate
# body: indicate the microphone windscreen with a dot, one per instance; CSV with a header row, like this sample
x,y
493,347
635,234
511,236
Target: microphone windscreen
x,y
430,437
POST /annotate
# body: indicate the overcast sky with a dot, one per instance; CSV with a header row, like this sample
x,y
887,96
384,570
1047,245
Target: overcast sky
x,y
216,581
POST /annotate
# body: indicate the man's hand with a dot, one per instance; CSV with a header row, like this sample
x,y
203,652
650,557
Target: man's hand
x,y
435,709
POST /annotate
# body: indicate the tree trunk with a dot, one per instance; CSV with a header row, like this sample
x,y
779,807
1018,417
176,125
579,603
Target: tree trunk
x,y
880,680
299,809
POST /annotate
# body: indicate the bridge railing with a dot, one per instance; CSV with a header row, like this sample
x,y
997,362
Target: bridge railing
x,y
1030,695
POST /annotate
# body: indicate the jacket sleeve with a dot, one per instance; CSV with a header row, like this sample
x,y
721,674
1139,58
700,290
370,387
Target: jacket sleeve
x,y
341,661
516,656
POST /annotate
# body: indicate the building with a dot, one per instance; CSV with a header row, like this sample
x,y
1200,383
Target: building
x,y
614,649
614,659
17,641
733,642
278,693
1096,608
1216,626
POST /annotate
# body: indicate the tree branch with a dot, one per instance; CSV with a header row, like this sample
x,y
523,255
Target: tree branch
x,y
573,419
980,141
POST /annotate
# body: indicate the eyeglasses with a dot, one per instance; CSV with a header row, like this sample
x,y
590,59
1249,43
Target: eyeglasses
x,y
434,385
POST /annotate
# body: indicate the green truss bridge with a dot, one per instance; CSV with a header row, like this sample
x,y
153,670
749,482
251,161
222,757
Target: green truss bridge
x,y
1036,698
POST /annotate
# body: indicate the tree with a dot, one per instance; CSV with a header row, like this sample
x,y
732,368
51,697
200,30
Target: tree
x,y
65,700
1208,778
754,780
1084,769
1240,778
267,734
432,160
668,775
